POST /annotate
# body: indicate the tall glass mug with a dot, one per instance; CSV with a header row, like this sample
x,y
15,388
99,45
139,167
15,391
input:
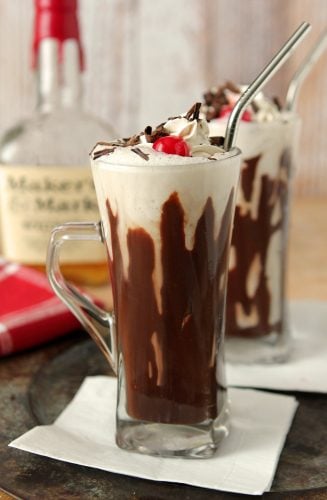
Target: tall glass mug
x,y
257,327
167,230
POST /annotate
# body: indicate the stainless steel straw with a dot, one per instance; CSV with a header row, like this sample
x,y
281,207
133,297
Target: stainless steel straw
x,y
249,94
303,71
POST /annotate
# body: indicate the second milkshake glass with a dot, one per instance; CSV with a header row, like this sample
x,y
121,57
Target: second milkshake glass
x,y
257,328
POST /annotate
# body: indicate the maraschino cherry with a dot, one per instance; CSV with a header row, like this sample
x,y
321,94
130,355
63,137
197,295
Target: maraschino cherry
x,y
226,110
172,145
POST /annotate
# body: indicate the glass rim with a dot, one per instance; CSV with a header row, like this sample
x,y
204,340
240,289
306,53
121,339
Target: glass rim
x,y
204,162
285,118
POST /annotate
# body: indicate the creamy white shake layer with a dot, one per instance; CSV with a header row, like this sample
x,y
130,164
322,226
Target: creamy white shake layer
x,y
137,180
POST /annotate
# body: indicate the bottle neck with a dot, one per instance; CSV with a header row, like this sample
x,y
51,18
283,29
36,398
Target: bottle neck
x,y
58,75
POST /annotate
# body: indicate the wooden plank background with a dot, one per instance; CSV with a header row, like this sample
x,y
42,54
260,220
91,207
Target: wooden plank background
x,y
149,59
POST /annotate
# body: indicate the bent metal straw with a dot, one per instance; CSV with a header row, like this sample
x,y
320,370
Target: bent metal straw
x,y
304,70
282,55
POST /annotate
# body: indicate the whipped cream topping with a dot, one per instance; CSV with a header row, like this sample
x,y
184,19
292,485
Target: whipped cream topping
x,y
142,147
195,133
265,110
219,101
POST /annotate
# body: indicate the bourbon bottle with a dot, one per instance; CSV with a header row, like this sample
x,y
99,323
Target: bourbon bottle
x,y
45,178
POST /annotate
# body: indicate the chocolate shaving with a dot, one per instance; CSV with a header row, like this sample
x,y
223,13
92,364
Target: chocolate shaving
x,y
254,106
114,143
277,102
232,87
217,140
100,143
103,143
148,133
190,112
197,111
139,152
102,152
158,132
132,141
151,135
215,98
194,112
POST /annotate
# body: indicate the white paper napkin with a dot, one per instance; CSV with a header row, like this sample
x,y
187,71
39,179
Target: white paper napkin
x,y
245,463
306,369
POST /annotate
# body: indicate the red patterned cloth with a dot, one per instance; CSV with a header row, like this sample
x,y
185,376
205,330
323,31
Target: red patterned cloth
x,y
30,312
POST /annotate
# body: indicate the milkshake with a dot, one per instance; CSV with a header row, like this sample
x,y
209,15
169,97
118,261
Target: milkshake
x,y
166,199
256,318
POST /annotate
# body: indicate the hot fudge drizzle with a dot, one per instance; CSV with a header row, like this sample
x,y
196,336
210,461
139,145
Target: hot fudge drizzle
x,y
169,353
250,239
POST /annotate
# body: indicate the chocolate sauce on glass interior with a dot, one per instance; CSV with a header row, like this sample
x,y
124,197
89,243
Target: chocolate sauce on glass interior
x,y
169,357
250,240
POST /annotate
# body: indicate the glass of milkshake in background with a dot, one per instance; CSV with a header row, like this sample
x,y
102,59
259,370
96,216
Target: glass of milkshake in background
x,y
166,199
257,328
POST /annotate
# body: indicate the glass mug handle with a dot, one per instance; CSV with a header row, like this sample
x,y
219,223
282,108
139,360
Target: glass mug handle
x,y
99,323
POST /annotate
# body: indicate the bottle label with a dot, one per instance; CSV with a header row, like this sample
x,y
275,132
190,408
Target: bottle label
x,y
35,199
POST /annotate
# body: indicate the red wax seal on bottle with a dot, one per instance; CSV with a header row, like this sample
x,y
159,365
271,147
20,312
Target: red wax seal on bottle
x,y
56,19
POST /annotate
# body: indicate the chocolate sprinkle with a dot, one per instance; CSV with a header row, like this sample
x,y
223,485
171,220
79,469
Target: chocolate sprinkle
x,y
102,152
277,102
103,143
100,143
217,97
157,133
148,133
254,106
217,140
232,87
214,99
139,152
132,141
194,112
152,135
